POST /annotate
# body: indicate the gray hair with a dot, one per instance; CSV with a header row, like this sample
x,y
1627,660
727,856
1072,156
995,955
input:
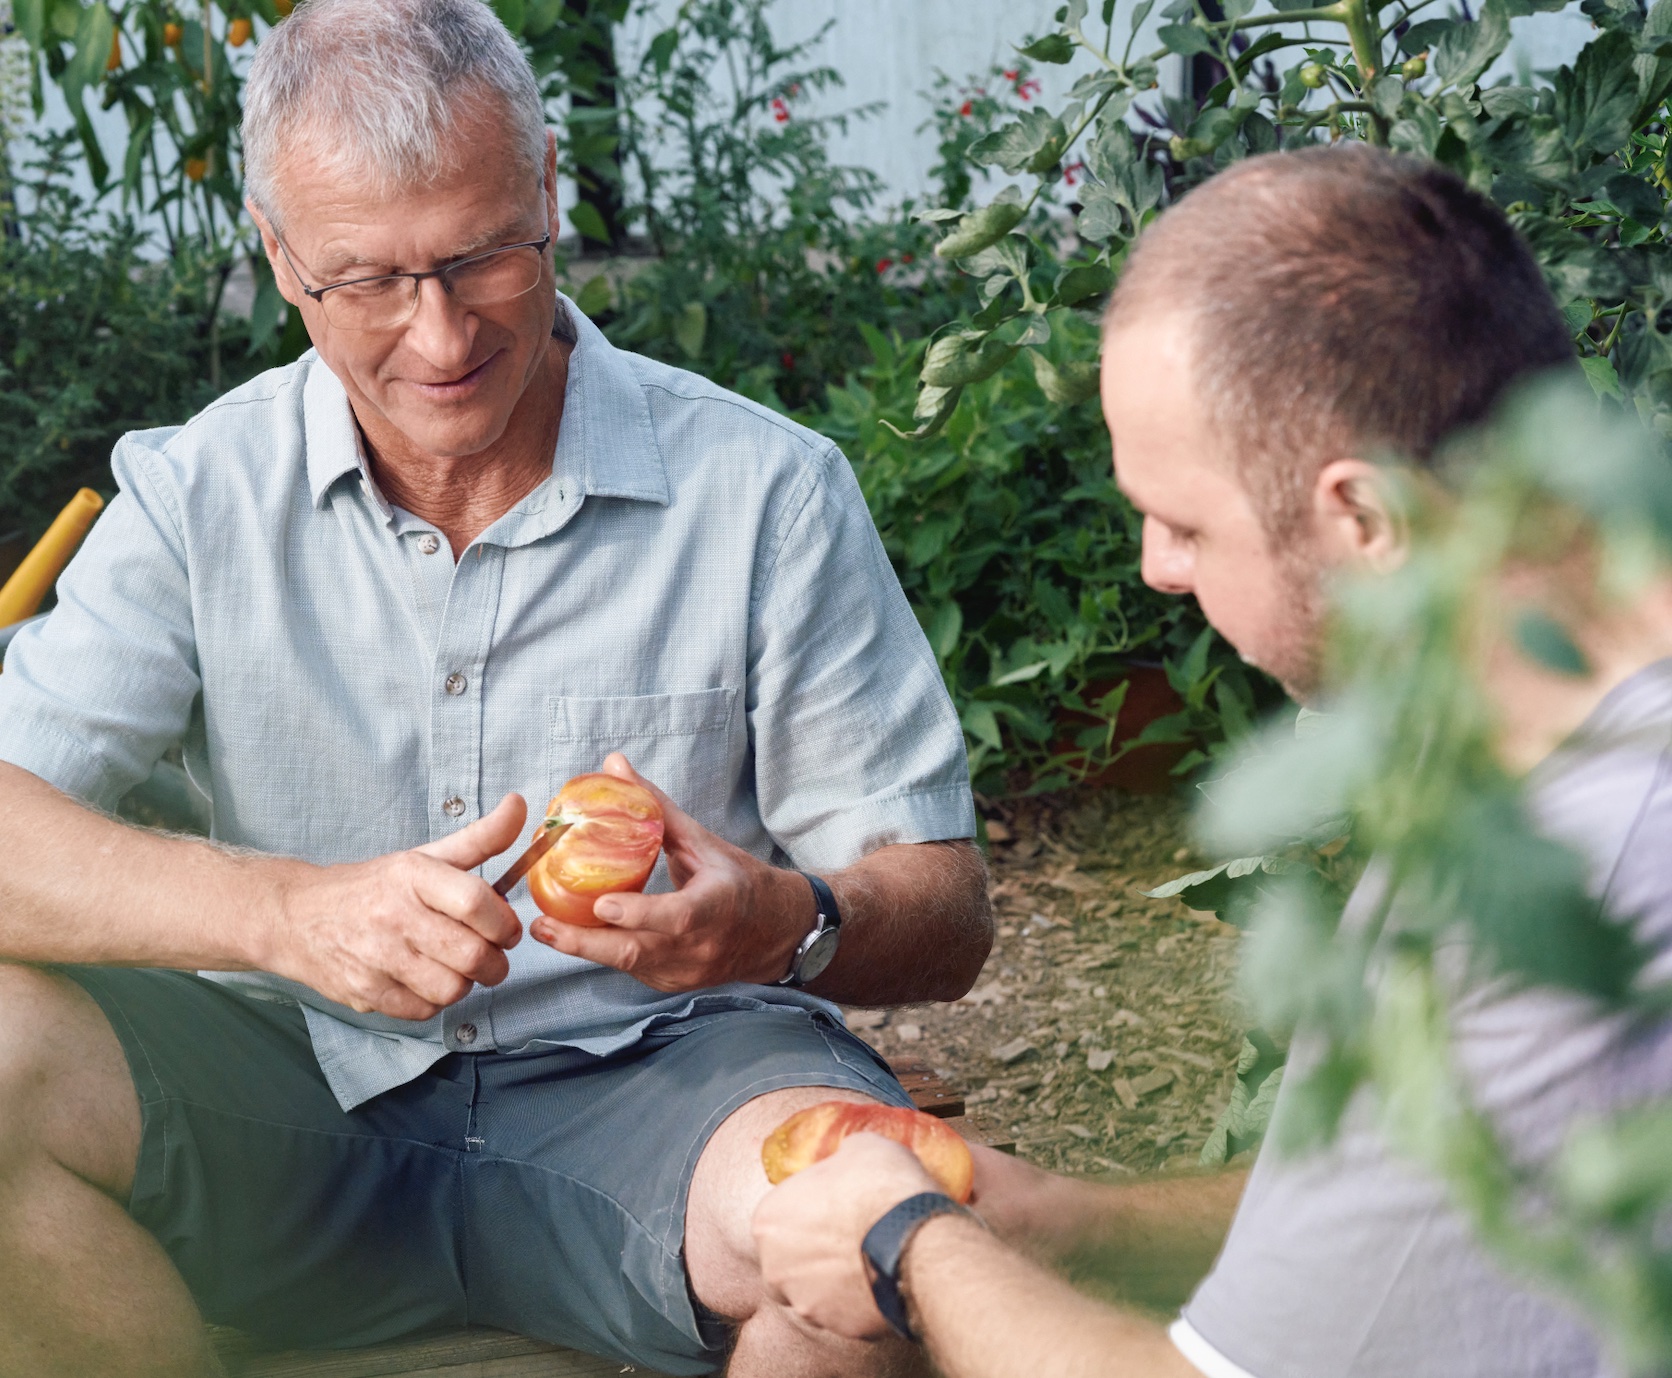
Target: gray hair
x,y
375,88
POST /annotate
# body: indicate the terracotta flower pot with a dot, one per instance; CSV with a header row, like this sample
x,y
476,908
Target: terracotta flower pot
x,y
1145,769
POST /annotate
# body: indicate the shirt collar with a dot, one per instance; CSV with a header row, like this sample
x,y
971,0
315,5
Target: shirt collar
x,y
606,445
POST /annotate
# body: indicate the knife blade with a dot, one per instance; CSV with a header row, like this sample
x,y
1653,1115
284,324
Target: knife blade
x,y
544,840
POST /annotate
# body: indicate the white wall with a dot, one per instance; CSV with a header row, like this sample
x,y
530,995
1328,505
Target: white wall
x,y
888,51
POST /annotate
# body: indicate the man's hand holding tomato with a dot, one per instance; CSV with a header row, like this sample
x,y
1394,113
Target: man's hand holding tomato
x,y
404,935
731,917
808,1232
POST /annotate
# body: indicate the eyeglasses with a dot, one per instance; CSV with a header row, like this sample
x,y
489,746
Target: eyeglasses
x,y
389,300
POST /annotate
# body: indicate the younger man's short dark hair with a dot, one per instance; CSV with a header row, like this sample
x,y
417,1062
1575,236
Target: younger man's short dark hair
x,y
1344,301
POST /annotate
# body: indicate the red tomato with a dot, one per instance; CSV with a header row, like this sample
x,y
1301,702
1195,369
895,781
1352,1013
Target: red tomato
x,y
612,846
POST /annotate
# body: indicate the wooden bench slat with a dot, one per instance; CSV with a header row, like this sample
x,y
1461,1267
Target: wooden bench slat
x,y
475,1353
929,1091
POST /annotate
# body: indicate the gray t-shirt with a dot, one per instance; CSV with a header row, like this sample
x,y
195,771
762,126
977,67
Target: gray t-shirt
x,y
1351,1262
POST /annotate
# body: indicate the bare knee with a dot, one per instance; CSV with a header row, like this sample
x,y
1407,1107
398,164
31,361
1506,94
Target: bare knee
x,y
725,1189
65,1092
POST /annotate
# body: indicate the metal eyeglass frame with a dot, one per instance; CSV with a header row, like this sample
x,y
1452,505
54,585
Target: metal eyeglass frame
x,y
318,293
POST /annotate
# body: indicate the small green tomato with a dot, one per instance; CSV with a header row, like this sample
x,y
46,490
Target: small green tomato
x,y
1313,75
1414,69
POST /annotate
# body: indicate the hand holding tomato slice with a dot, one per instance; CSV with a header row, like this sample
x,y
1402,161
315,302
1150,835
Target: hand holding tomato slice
x,y
612,837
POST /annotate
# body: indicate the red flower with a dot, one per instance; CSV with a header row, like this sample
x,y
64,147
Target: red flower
x,y
787,359
1027,90
1012,75
780,111
906,258
884,264
1069,171
967,109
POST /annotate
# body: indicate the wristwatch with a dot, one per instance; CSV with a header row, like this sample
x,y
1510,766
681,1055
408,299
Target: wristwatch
x,y
818,947
885,1247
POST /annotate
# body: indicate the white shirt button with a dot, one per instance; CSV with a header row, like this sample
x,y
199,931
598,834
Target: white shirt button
x,y
465,1034
453,807
456,683
429,543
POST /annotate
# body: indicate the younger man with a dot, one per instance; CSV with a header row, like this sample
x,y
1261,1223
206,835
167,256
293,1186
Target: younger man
x,y
1293,317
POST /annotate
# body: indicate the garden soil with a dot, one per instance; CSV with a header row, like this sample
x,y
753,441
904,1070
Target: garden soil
x,y
1102,1035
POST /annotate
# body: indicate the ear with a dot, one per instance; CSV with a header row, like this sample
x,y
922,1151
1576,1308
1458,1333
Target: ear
x,y
552,215
289,288
1356,516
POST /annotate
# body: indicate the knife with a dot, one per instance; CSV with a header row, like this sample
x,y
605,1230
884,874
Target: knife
x,y
544,840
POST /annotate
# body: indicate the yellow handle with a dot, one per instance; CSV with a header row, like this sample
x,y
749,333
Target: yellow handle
x,y
22,594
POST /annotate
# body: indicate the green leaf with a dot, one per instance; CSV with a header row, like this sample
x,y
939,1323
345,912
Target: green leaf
x,y
585,218
690,329
1597,97
1068,384
92,48
1619,1172
97,168
1419,38
960,359
265,312
1057,48
30,17
945,628
596,296
1387,93
1081,281
133,160
1228,890
1184,39
1141,12
659,55
1419,133
1547,641
1634,197
512,14
1467,50
982,723
1509,102
1032,143
981,229
1599,372
1022,674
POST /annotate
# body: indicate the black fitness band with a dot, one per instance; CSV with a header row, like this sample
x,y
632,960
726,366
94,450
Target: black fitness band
x,y
885,1245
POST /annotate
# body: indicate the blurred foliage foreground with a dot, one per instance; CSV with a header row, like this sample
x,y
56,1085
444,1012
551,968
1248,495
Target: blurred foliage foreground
x,y
1575,502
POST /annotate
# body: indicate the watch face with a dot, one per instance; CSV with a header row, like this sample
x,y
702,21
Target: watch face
x,y
817,956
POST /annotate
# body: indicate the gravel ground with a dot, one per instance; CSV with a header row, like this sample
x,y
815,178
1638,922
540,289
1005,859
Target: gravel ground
x,y
1103,1032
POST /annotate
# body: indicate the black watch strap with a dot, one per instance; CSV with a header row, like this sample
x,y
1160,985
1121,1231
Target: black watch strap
x,y
825,898
885,1245
828,921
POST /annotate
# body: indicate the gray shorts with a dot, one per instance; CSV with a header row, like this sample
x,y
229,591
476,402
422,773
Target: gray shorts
x,y
542,1193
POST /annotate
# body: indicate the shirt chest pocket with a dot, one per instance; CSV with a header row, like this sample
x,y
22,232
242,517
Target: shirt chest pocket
x,y
682,743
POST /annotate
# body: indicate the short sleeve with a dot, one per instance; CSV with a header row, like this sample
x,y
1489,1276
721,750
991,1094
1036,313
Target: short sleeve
x,y
94,694
857,745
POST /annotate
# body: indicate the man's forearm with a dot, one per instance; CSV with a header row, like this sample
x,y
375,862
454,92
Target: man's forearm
x,y
78,887
1152,1241
916,925
985,1311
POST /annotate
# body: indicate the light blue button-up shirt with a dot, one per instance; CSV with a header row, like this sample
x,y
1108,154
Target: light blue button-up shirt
x,y
698,584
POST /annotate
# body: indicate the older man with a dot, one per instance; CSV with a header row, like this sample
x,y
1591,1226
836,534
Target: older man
x,y
462,552
1289,318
